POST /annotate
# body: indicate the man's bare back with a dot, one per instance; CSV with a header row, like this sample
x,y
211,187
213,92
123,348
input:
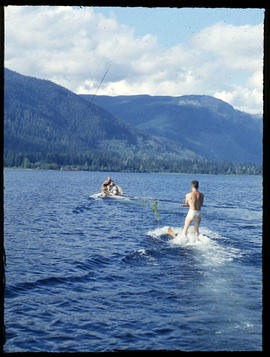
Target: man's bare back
x,y
194,200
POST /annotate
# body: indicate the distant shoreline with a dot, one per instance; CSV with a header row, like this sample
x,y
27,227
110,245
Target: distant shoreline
x,y
130,171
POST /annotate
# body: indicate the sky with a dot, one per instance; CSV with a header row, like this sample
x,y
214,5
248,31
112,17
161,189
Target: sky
x,y
130,51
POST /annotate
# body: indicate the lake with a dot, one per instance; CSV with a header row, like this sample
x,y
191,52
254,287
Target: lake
x,y
93,275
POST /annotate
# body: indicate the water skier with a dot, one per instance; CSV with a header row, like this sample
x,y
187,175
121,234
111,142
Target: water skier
x,y
194,200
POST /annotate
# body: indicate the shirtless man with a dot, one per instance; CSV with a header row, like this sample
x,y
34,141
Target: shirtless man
x,y
194,200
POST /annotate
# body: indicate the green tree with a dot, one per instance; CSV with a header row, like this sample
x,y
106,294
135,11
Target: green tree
x,y
26,163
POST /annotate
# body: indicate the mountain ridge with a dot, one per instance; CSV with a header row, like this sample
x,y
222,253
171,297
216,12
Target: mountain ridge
x,y
42,116
44,122
219,132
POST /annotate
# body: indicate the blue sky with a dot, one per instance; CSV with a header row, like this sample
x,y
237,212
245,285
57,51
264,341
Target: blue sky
x,y
155,51
174,25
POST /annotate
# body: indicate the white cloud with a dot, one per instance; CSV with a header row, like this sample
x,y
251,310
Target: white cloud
x,y
242,98
224,38
256,80
74,47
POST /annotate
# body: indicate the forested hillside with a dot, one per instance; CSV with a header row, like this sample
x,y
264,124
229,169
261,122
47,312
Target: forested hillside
x,y
43,118
203,124
47,126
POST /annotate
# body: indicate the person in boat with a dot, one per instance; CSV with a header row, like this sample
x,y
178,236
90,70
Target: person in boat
x,y
110,188
105,187
194,200
114,190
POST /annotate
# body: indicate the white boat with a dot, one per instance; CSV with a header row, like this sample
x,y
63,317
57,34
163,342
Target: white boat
x,y
101,195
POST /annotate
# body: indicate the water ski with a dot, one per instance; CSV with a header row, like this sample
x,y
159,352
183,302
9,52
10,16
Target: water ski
x,y
171,233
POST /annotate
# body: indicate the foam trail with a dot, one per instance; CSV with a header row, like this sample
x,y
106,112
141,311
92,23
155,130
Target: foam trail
x,y
205,246
95,196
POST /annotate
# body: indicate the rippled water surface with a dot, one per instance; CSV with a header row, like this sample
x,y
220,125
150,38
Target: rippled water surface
x,y
91,274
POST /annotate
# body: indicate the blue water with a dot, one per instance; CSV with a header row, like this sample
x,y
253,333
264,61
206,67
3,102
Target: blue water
x,y
87,274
